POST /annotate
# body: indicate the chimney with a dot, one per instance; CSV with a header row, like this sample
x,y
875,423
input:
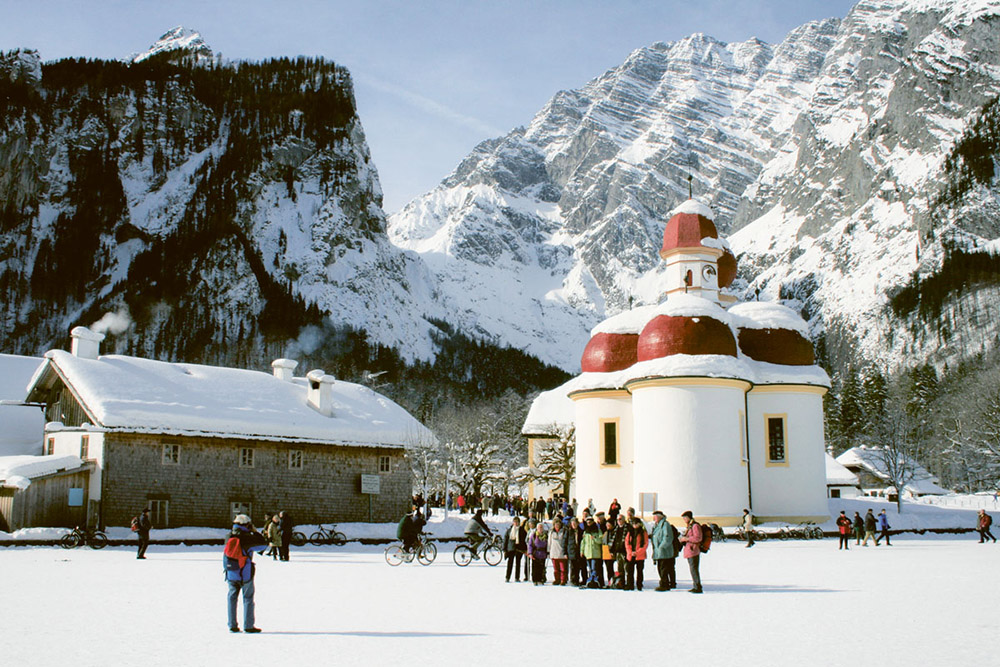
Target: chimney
x,y
283,368
320,393
85,343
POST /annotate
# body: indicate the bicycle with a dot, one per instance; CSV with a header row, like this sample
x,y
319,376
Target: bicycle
x,y
298,539
328,536
93,538
425,552
489,548
758,536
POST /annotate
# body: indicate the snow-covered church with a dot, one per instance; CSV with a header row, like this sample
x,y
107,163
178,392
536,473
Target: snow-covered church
x,y
697,403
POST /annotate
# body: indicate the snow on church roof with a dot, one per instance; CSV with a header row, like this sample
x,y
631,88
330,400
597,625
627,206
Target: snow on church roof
x,y
550,411
768,315
693,206
143,395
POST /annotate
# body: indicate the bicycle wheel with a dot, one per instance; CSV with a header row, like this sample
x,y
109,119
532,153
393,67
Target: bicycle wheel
x,y
338,538
316,539
760,536
68,541
462,555
428,552
817,533
97,541
493,555
298,539
394,555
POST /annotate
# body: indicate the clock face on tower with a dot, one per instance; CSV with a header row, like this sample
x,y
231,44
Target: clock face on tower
x,y
708,273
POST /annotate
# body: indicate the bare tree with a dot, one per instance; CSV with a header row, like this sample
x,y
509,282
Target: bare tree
x,y
890,434
556,461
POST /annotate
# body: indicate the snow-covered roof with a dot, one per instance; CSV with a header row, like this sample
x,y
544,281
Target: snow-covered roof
x,y
870,458
20,470
141,395
21,427
550,411
768,315
838,475
693,206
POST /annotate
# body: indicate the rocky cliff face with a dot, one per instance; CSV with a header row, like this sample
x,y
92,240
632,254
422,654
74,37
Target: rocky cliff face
x,y
823,155
216,211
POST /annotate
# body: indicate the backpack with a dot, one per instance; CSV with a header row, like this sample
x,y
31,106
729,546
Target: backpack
x,y
135,524
706,538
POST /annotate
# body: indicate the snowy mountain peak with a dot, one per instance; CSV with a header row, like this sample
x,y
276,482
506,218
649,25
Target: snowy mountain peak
x,y
177,39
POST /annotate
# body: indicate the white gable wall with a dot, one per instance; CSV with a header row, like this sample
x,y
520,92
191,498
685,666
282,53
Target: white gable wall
x,y
68,441
801,482
594,480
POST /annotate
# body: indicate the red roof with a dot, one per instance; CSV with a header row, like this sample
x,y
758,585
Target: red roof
x,y
777,346
666,335
686,230
727,268
608,352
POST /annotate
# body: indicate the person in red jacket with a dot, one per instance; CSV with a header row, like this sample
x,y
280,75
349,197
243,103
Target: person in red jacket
x,y
635,549
844,524
985,521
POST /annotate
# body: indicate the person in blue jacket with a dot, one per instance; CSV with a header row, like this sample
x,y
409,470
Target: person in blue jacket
x,y
238,565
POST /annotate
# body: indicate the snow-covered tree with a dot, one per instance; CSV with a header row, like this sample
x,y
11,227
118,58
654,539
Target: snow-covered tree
x,y
555,462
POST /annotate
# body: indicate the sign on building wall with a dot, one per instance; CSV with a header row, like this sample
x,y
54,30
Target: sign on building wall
x,y
370,484
75,498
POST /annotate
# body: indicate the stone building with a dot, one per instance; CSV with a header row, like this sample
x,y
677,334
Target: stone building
x,y
198,444
697,402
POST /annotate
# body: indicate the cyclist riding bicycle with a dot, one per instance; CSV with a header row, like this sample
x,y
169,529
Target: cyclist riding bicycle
x,y
409,529
476,531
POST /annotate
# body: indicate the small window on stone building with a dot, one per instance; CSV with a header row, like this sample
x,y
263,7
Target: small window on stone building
x,y
776,454
384,464
609,442
171,454
295,459
246,457
84,447
240,507
50,446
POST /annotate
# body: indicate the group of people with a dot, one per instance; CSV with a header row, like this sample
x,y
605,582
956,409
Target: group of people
x,y
863,529
278,530
599,550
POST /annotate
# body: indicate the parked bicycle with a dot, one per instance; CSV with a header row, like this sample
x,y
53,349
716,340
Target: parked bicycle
x,y
425,552
93,538
490,549
327,536
758,536
298,539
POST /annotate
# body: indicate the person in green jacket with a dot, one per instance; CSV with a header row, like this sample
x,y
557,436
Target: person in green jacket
x,y
591,548
663,540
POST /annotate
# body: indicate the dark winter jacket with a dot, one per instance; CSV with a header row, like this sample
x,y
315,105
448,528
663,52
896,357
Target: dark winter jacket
x,y
237,557
572,542
870,522
616,539
145,525
513,543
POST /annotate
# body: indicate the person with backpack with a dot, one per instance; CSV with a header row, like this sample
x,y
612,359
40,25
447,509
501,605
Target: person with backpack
x,y
692,540
984,523
238,567
142,527
663,541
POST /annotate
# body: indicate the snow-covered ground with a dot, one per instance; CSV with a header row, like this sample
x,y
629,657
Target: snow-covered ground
x,y
925,600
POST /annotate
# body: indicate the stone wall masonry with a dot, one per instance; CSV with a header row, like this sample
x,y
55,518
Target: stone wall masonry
x,y
209,477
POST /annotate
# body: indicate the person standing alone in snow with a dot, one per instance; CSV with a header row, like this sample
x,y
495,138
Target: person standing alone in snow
x,y
844,526
238,566
748,527
145,525
985,521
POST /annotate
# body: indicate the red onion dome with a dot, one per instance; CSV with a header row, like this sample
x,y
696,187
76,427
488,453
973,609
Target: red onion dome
x,y
686,230
727,268
666,335
777,346
607,352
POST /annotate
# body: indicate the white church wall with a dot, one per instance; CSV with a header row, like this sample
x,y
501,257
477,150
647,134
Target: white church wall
x,y
595,479
792,489
688,446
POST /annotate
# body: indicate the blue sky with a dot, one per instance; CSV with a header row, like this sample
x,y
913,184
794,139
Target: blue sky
x,y
432,78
